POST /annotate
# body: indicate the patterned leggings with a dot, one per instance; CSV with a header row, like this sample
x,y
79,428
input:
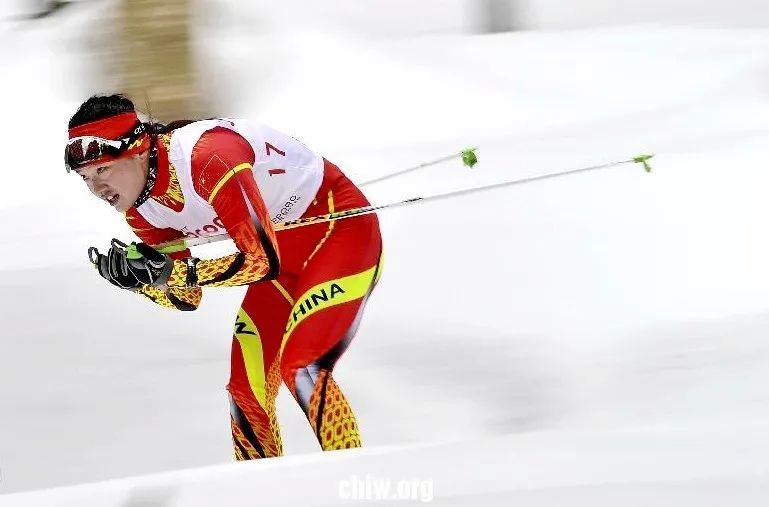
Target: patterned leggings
x,y
295,328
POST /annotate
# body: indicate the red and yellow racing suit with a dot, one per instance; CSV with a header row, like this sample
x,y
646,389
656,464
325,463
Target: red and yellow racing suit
x,y
307,287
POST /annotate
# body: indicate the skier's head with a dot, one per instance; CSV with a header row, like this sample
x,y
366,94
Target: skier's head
x,y
109,148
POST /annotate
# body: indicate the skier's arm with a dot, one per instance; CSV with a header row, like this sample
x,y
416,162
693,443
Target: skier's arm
x,y
179,298
222,163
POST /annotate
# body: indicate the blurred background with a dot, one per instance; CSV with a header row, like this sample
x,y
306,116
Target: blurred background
x,y
149,47
605,301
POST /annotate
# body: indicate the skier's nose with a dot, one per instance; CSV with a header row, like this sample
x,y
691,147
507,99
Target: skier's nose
x,y
99,186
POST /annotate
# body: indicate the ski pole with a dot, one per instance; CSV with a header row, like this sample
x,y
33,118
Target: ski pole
x,y
468,158
182,244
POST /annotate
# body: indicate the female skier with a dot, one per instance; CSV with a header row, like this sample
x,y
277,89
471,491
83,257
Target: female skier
x,y
307,287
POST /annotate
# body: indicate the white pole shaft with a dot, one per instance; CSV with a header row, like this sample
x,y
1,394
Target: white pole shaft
x,y
303,222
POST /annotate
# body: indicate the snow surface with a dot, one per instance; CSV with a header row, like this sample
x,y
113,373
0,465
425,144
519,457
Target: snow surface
x,y
598,337
536,469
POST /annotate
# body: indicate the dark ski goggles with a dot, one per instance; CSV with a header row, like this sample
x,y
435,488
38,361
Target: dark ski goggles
x,y
83,150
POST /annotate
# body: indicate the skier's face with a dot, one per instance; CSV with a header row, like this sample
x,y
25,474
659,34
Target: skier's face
x,y
118,182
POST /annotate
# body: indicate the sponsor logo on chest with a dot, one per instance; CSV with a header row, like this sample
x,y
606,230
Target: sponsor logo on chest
x,y
286,209
214,227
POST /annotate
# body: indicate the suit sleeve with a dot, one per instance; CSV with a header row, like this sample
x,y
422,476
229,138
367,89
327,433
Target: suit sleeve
x,y
179,298
222,163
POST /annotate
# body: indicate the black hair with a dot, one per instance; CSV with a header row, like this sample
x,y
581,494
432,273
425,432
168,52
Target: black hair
x,y
99,107
103,106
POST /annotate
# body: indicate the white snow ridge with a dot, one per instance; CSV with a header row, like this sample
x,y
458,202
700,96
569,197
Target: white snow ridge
x,y
665,466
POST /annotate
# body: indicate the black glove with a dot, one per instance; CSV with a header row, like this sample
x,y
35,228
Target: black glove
x,y
131,266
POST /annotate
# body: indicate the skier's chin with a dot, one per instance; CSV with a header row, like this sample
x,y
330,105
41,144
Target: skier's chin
x,y
121,206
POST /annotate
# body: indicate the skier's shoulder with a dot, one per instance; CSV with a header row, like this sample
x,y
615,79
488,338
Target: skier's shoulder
x,y
202,139
205,137
191,132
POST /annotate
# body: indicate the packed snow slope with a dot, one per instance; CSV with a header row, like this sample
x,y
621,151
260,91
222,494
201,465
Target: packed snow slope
x,y
609,303
630,467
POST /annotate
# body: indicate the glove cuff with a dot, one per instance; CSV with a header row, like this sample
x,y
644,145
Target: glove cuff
x,y
192,272
183,273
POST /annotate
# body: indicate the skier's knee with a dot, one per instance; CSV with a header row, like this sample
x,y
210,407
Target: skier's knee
x,y
301,382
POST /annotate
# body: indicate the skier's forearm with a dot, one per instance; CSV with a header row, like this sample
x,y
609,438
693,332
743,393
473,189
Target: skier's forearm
x,y
177,298
229,271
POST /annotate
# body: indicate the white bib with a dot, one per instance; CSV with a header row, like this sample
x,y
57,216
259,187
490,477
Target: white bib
x,y
287,173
